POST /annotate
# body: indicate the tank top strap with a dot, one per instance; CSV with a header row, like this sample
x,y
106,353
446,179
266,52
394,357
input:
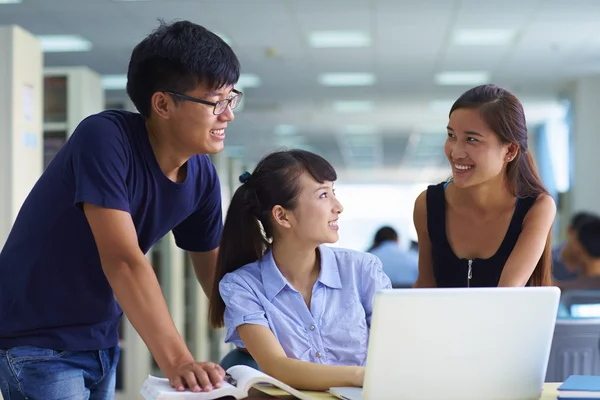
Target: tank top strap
x,y
522,207
436,212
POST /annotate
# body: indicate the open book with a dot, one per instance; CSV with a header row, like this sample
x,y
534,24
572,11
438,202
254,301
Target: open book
x,y
242,379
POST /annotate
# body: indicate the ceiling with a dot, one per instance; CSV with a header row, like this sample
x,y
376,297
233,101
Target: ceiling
x,y
553,42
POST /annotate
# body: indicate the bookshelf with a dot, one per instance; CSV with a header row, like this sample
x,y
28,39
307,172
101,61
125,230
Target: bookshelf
x,y
70,95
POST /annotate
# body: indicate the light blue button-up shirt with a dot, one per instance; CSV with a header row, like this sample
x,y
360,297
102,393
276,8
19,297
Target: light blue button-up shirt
x,y
334,331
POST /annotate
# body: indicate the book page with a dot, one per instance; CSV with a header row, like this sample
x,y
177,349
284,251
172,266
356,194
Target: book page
x,y
159,389
247,377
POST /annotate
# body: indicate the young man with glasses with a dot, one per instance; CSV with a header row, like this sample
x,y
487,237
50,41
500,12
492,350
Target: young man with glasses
x,y
76,253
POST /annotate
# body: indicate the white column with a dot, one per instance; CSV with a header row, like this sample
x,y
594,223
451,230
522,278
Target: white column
x,y
221,165
585,189
172,280
21,93
235,170
230,172
201,326
135,360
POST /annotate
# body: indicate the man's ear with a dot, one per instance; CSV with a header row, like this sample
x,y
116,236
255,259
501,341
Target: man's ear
x,y
161,104
281,217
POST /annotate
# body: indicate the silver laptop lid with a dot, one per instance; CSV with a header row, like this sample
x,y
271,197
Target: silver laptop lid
x,y
462,344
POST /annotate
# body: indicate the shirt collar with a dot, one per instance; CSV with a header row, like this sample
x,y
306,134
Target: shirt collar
x,y
330,274
274,281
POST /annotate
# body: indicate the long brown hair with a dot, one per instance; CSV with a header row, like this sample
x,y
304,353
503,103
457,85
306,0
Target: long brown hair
x,y
503,113
248,230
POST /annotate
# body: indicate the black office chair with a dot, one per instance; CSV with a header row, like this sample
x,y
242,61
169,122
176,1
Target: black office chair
x,y
238,357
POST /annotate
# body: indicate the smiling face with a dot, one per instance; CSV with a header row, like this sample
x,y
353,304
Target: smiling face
x,y
314,219
474,151
192,127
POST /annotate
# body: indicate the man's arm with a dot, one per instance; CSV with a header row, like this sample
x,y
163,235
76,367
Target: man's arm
x,y
205,266
137,289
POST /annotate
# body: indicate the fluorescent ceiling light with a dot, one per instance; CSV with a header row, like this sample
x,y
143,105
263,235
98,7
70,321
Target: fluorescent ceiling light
x,y
331,39
347,79
285,130
359,130
462,78
249,81
353,106
9,1
483,37
64,43
114,82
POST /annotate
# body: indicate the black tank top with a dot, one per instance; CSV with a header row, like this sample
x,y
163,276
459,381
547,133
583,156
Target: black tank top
x,y
451,271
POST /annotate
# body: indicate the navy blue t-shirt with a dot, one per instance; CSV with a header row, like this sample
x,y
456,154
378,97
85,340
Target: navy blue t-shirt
x,y
53,292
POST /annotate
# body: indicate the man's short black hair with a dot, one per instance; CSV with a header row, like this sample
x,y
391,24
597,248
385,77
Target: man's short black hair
x,y
384,234
580,218
589,237
178,57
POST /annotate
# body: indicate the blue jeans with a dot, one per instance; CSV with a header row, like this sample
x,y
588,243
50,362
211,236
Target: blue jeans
x,y
29,372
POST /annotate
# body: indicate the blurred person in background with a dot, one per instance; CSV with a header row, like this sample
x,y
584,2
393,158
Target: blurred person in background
x,y
564,258
400,266
583,254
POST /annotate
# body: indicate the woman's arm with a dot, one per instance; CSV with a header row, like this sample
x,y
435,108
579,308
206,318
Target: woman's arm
x,y
529,248
272,360
247,326
426,278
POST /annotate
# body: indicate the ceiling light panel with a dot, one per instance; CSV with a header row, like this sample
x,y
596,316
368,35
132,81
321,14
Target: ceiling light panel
x,y
338,39
483,37
347,79
462,78
64,43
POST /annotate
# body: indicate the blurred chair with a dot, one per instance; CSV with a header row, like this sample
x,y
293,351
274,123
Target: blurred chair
x,y
238,357
575,349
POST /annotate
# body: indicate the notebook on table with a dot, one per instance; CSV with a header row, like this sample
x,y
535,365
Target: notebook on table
x,y
580,387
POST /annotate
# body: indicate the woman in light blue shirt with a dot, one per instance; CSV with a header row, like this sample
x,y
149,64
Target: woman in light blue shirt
x,y
301,309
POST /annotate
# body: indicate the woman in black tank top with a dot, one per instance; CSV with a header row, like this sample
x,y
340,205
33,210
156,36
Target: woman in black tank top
x,y
490,224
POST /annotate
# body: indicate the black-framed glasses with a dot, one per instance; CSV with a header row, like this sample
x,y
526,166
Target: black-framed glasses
x,y
220,106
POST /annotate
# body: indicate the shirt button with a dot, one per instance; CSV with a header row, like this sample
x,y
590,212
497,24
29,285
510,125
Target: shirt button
x,y
318,354
312,327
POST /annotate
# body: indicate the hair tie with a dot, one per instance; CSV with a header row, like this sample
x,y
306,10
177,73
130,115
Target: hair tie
x,y
244,177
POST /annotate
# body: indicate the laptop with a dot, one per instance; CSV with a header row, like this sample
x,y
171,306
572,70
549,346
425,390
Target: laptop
x,y
467,344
